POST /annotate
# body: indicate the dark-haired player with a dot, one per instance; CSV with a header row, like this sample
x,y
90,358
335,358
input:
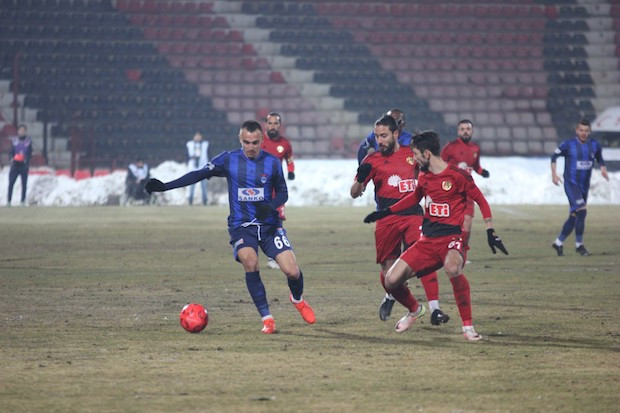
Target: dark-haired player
x,y
393,172
465,154
256,188
370,145
445,189
579,154
280,147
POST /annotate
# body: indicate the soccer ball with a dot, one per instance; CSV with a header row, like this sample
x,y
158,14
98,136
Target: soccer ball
x,y
194,318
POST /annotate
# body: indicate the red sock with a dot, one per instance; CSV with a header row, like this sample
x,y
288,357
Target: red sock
x,y
402,295
431,286
460,286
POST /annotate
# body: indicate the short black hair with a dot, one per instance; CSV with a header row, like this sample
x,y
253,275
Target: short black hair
x,y
426,140
251,126
276,114
466,121
387,120
585,122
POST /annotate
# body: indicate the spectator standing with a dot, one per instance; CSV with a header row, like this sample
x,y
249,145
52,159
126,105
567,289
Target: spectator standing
x,y
579,154
138,174
21,152
198,157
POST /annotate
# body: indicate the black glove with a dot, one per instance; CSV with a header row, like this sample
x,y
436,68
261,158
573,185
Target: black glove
x,y
291,176
154,185
363,171
377,215
485,173
495,241
264,209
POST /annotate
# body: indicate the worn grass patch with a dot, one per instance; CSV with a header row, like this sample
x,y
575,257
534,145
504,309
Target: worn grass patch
x,y
90,297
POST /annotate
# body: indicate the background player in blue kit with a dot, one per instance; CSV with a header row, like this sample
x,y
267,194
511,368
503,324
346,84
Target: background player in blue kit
x,y
579,155
256,187
370,145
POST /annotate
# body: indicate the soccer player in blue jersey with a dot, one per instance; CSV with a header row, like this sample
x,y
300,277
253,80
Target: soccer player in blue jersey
x,y
256,187
370,145
579,155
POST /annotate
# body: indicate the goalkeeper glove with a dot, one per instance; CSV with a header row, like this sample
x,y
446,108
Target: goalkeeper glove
x,y
377,215
495,241
363,171
264,209
154,185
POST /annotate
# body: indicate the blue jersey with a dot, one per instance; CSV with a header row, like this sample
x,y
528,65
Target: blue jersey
x,y
579,160
250,181
371,143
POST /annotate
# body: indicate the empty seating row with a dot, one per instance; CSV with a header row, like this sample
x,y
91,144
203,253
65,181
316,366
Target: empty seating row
x,y
515,51
215,35
69,32
273,22
44,17
450,64
45,46
206,48
153,6
406,9
64,5
218,62
178,20
310,36
448,38
323,50
101,61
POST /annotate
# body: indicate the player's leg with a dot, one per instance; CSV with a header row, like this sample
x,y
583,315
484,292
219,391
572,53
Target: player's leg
x,y
394,281
412,233
580,226
245,250
13,173
24,179
277,246
388,240
453,265
575,200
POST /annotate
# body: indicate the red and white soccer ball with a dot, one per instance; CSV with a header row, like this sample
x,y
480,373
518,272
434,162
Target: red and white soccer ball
x,y
194,318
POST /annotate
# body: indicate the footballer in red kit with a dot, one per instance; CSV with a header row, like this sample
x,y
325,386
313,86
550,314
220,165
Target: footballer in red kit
x,y
465,154
281,148
445,190
393,170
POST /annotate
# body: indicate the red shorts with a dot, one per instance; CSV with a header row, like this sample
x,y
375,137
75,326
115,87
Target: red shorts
x,y
394,230
428,254
469,207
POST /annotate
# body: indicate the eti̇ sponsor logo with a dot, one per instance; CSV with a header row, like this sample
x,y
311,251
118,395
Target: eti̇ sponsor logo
x,y
438,210
406,185
250,194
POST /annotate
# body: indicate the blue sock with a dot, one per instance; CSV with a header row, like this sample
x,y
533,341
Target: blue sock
x,y
296,286
580,225
257,291
567,228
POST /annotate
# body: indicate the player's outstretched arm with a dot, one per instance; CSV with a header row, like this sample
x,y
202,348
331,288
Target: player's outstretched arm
x,y
377,215
154,185
495,241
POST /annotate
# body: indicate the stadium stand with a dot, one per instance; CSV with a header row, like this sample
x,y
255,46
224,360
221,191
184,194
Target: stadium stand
x,y
137,76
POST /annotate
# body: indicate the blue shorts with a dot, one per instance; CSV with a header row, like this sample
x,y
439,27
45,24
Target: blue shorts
x,y
272,239
577,196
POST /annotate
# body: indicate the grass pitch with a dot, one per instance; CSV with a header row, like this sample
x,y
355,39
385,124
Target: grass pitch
x,y
90,298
